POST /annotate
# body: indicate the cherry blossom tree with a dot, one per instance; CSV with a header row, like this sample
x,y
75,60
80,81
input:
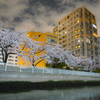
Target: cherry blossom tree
x,y
12,42
61,55
86,64
9,43
33,53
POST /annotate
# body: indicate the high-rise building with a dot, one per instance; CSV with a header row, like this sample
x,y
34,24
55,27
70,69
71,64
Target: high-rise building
x,y
78,32
99,48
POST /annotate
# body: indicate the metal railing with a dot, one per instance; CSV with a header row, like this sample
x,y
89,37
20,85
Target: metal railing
x,y
34,69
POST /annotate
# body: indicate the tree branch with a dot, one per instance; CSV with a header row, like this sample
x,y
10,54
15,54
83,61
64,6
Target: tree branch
x,y
38,62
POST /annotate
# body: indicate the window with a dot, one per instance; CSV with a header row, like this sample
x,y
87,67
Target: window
x,y
76,47
78,30
10,59
39,35
78,35
75,31
51,40
67,17
72,33
82,29
69,39
78,40
72,37
75,36
71,28
27,34
15,60
11,56
58,23
75,41
94,26
87,40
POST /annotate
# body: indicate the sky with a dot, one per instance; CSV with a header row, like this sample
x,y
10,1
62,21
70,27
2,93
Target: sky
x,y
42,15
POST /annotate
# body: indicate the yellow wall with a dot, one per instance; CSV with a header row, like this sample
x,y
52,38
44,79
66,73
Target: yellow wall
x,y
41,37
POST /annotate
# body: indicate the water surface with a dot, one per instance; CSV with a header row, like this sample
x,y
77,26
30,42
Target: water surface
x,y
84,93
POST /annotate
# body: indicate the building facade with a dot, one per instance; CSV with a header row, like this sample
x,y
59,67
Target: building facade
x,y
78,32
99,48
47,38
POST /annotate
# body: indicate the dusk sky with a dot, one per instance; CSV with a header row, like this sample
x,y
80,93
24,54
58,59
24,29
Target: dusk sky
x,y
42,15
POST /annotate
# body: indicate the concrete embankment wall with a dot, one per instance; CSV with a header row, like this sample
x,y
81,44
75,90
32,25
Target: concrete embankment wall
x,y
37,77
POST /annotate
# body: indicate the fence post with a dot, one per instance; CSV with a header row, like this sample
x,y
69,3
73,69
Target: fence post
x,y
20,68
43,70
5,66
66,72
32,69
52,70
59,71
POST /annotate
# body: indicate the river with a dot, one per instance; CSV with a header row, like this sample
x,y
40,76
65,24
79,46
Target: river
x,y
83,93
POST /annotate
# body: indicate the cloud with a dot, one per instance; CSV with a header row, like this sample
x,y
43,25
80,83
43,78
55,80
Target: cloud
x,y
42,15
10,9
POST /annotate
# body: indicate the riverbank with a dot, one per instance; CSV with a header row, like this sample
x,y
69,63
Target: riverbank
x,y
41,77
14,86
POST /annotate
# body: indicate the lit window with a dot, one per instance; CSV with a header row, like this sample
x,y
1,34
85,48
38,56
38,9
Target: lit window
x,y
76,47
95,35
76,31
78,20
94,26
87,40
27,34
78,40
75,36
78,35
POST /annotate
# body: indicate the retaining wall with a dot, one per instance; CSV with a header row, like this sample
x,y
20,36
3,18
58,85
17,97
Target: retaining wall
x,y
39,77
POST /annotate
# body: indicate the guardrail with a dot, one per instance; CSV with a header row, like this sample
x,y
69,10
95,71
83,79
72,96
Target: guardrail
x,y
34,69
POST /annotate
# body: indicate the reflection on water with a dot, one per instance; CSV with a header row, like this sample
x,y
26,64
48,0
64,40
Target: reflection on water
x,y
86,93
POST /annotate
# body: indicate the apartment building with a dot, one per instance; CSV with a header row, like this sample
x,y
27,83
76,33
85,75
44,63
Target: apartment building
x,y
12,58
78,32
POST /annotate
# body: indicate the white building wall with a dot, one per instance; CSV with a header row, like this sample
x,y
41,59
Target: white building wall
x,y
1,56
12,59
